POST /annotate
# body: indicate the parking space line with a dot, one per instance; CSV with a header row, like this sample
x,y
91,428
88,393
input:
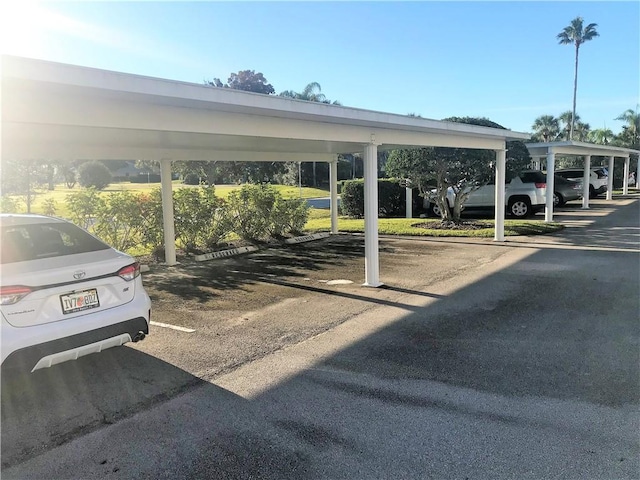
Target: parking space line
x,y
173,327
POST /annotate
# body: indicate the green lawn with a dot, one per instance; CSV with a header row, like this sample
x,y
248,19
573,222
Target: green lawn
x,y
59,194
320,221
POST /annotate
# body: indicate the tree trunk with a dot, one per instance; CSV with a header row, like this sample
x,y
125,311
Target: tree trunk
x,y
575,90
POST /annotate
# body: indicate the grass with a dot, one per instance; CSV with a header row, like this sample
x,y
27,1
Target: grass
x,y
60,193
320,221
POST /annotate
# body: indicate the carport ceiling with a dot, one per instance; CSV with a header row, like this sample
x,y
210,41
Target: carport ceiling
x,y
58,111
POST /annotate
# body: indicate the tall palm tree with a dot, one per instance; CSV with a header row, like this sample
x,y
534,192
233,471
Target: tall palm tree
x,y
311,93
546,128
575,34
581,131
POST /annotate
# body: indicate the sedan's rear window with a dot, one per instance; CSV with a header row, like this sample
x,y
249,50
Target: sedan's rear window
x,y
43,240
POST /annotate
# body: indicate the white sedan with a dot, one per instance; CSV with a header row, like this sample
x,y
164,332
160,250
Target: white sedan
x,y
64,293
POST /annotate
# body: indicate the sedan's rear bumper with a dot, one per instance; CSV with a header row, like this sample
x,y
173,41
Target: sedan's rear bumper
x,y
50,353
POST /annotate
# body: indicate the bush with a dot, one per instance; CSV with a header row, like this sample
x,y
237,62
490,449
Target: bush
x,y
8,204
191,179
250,210
391,198
288,215
94,174
199,216
84,207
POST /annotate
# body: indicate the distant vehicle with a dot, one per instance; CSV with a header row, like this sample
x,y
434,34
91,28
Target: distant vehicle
x,y
565,190
598,178
64,293
525,194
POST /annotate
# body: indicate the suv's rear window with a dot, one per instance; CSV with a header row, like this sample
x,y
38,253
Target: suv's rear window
x,y
31,242
533,177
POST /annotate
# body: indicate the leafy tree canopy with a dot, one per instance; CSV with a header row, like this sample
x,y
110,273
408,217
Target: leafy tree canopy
x,y
247,80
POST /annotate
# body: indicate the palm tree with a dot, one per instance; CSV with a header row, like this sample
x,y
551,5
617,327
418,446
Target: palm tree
x,y
311,93
575,34
633,125
565,119
601,136
546,128
581,131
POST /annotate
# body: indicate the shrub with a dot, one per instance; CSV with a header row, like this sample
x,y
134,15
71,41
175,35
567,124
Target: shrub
x,y
250,210
288,215
191,179
8,204
200,217
49,206
391,198
119,220
84,206
94,174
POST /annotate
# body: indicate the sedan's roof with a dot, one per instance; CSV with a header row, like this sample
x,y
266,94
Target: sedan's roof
x,y
27,219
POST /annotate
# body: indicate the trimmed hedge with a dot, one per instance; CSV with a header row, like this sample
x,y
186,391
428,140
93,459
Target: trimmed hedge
x,y
391,199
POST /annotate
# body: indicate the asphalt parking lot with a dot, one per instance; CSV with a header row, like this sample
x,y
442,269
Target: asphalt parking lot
x,y
477,360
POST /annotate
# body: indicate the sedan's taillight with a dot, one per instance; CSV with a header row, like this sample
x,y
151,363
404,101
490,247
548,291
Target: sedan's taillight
x,y
11,295
541,185
130,272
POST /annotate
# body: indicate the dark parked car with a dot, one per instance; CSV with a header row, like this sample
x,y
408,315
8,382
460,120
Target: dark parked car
x,y
565,190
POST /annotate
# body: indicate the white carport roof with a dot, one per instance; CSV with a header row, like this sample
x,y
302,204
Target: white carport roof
x,y
578,148
549,150
58,111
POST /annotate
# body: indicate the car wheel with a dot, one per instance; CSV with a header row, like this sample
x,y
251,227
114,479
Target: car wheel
x,y
520,207
558,200
434,208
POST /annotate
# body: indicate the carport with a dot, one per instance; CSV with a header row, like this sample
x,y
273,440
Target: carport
x,y
53,111
549,150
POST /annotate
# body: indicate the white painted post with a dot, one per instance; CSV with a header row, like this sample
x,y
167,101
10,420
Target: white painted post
x,y
408,198
167,212
551,167
371,257
501,156
333,193
625,177
585,182
610,179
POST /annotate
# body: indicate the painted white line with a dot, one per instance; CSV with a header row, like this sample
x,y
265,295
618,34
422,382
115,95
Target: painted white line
x,y
173,327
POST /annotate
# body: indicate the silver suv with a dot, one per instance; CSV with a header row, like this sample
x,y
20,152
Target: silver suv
x,y
525,194
598,179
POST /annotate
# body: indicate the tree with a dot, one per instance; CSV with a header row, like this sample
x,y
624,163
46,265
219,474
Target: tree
x,y
461,169
565,119
601,136
575,34
246,80
94,174
546,128
311,93
631,131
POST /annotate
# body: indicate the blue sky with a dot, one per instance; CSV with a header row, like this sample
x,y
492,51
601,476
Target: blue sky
x,y
499,60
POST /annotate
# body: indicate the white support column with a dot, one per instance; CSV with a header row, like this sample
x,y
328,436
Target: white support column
x,y
408,198
625,177
610,179
551,167
167,212
536,163
501,156
585,182
333,192
371,257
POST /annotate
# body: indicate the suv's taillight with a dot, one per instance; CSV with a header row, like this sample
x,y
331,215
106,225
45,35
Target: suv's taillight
x,y
129,272
541,185
11,295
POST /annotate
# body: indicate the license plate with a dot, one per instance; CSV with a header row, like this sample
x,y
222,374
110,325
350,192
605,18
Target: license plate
x,y
79,301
